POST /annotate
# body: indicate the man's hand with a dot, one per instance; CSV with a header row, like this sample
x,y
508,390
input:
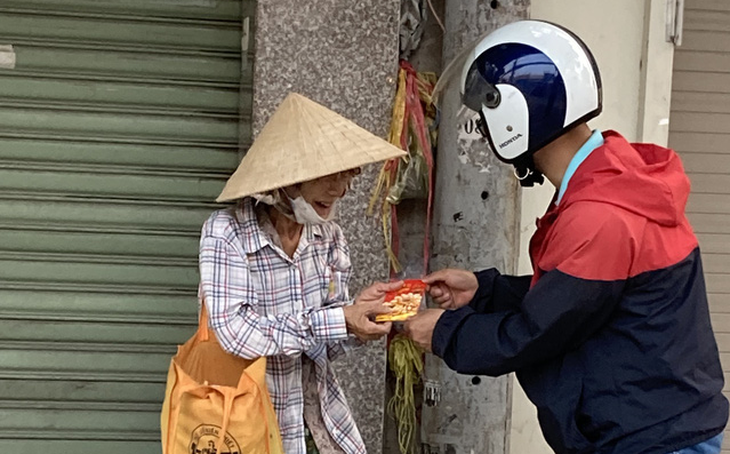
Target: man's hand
x,y
420,327
368,304
452,288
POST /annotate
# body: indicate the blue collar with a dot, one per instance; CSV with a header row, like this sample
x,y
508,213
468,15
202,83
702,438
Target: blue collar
x,y
595,141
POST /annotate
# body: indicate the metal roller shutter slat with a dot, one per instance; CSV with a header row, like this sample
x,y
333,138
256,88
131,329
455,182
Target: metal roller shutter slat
x,y
118,128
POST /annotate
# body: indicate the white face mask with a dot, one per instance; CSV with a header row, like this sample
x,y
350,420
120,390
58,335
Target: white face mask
x,y
304,213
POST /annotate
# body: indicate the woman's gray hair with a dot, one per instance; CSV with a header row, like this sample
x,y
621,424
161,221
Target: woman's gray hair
x,y
277,199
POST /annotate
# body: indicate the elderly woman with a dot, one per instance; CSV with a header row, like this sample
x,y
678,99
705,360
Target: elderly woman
x,y
275,268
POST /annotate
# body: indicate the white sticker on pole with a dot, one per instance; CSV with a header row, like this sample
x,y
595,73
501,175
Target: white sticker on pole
x,y
467,121
7,57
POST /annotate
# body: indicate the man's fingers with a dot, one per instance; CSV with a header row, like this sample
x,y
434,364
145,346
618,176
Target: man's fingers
x,y
437,276
441,294
437,291
444,296
408,324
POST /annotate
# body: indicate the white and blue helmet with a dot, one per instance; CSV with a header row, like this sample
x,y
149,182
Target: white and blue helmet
x,y
530,82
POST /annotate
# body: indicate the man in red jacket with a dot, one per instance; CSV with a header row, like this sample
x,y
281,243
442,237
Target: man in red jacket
x,y
611,336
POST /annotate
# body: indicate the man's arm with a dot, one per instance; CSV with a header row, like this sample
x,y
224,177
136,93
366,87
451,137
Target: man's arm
x,y
499,292
484,291
557,315
588,263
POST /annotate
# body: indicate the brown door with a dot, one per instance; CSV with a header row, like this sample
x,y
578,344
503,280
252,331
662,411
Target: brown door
x,y
700,132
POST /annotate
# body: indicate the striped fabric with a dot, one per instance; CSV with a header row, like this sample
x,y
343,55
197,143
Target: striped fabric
x,y
264,303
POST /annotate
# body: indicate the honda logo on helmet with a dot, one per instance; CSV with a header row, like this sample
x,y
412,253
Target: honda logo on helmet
x,y
507,142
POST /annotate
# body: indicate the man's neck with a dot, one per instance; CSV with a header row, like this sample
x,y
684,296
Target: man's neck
x,y
553,159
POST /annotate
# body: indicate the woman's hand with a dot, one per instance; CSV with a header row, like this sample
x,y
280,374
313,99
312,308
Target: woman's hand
x,y
369,303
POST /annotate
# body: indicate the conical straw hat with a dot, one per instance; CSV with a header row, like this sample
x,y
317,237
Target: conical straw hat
x,y
303,141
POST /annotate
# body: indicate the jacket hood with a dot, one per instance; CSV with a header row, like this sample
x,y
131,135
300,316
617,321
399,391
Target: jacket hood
x,y
644,179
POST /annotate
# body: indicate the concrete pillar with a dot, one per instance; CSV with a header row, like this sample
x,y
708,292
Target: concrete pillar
x,y
345,56
657,70
475,227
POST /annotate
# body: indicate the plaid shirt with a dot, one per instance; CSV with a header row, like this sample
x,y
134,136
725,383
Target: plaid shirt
x,y
264,303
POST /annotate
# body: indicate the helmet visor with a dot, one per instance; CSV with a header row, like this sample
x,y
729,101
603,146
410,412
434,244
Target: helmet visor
x,y
478,93
451,75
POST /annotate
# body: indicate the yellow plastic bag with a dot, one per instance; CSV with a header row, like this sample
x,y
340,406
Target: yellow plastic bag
x,y
216,402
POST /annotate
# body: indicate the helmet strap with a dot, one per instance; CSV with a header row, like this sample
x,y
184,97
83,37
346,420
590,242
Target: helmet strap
x,y
527,174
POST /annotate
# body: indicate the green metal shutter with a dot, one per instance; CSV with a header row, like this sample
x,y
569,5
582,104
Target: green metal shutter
x,y
118,127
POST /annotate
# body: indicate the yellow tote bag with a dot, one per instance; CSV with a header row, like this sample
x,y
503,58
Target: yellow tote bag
x,y
216,402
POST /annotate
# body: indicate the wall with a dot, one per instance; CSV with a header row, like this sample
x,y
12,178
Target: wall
x,y
343,55
627,40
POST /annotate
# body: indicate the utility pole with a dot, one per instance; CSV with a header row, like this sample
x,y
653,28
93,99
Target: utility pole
x,y
476,222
